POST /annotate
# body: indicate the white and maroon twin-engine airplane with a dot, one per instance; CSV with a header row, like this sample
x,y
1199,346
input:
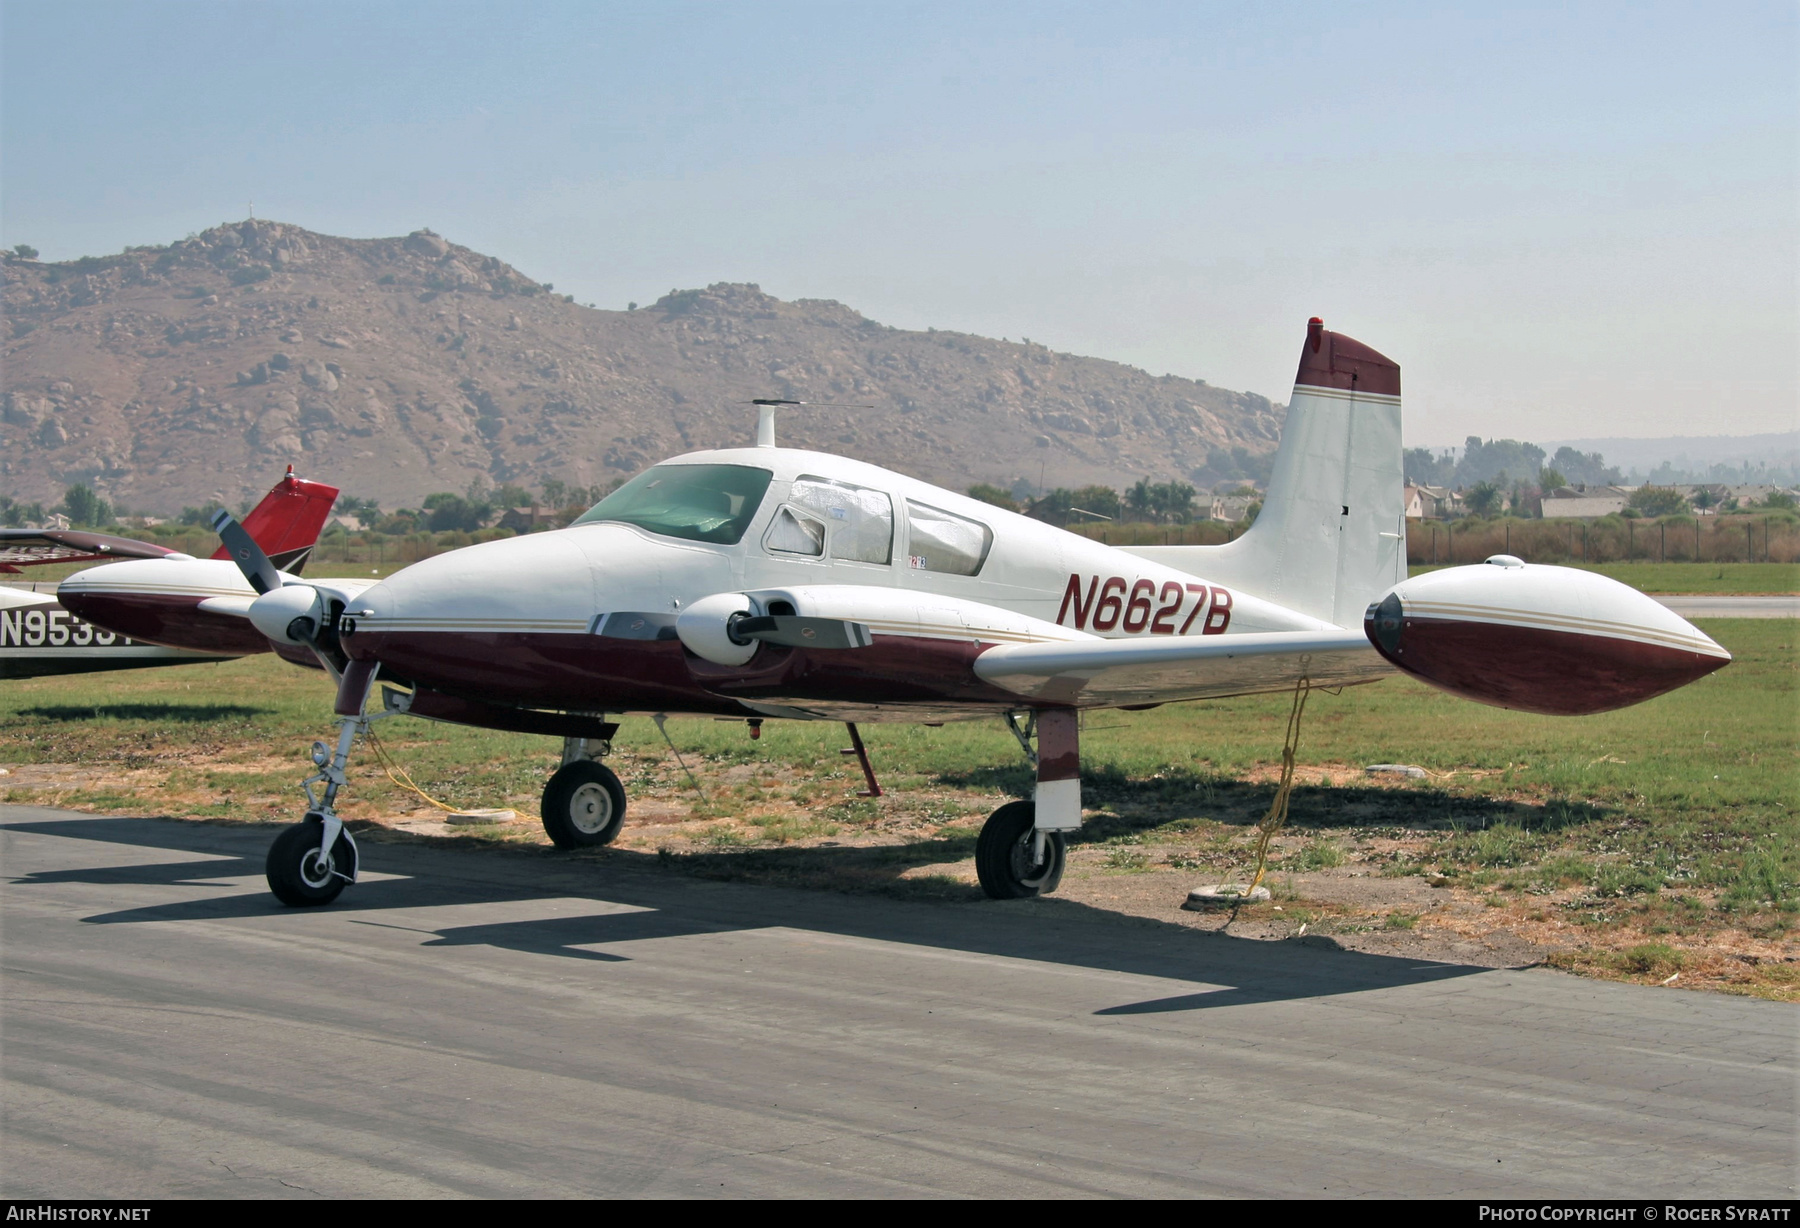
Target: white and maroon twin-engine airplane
x,y
769,583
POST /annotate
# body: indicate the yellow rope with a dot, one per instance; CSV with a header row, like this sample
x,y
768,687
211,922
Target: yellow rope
x,y
399,775
1278,809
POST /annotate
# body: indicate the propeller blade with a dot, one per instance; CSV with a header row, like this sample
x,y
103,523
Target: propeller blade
x,y
800,631
248,556
634,625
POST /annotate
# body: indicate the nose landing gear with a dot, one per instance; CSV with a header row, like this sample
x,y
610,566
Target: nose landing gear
x,y
301,873
314,860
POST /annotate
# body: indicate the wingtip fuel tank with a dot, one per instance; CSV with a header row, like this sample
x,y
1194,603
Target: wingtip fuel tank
x,y
1553,640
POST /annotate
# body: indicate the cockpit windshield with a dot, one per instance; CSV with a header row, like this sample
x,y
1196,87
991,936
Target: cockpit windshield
x,y
702,503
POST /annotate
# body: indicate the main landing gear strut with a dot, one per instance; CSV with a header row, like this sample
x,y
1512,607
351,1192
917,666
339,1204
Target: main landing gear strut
x,y
1020,851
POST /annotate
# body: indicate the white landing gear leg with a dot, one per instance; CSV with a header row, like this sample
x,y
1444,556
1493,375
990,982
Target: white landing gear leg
x,y
314,860
1020,851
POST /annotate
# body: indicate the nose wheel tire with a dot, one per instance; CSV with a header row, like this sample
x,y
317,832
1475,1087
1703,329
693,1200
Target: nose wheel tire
x,y
1006,857
300,873
584,805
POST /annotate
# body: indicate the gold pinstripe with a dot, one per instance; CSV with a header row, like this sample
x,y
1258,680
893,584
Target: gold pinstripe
x,y
1556,622
1344,394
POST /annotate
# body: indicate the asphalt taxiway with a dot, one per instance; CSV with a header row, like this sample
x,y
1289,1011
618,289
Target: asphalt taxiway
x,y
518,1023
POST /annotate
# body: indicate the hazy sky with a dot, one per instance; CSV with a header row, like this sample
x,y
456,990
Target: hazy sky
x,y
1566,220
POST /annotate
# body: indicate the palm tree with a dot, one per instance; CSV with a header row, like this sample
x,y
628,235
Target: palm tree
x,y
1483,499
1140,501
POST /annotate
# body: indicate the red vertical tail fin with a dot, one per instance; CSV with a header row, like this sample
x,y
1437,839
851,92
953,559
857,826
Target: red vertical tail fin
x,y
287,522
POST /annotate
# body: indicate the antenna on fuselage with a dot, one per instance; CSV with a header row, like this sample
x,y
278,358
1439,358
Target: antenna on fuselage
x,y
765,415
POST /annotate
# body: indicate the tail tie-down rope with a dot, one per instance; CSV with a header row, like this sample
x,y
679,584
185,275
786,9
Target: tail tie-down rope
x,y
1273,821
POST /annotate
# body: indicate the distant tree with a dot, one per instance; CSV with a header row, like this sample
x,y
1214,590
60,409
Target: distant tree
x,y
1780,499
1584,468
987,493
510,495
1492,460
1424,469
1099,500
1139,502
1551,479
1704,498
1172,502
1236,464
366,512
555,491
200,515
1054,507
446,512
83,507
402,523
25,251
1483,499
14,514
1657,501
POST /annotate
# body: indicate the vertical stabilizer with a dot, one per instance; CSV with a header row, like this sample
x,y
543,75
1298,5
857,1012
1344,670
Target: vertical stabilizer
x,y
1331,534
286,524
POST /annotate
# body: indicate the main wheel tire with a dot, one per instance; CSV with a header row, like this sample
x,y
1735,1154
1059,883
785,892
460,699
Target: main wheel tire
x,y
1004,855
298,874
584,805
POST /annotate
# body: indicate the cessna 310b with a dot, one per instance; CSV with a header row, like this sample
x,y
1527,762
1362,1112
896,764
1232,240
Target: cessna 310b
x,y
164,621
769,583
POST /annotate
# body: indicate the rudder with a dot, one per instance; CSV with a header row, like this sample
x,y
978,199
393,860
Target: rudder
x,y
286,524
1331,536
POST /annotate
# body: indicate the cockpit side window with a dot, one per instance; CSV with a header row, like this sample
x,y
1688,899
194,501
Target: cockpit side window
x,y
860,520
937,540
702,503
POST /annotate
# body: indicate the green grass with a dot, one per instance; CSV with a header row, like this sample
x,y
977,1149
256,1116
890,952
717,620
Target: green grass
x,y
1677,578
1689,795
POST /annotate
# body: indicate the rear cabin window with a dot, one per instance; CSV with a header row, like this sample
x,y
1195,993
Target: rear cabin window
x,y
860,520
937,540
701,503
794,532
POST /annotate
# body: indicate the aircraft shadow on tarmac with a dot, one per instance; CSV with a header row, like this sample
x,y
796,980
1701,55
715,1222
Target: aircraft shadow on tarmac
x,y
1179,792
655,904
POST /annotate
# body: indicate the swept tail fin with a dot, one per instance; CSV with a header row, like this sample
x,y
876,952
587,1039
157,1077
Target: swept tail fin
x,y
1331,536
286,524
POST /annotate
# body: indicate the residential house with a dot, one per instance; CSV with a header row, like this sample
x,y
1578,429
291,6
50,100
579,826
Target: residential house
x,y
1585,502
1231,508
524,519
1428,502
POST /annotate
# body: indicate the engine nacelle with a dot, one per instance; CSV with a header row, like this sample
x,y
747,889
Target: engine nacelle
x,y
705,628
276,612
1554,640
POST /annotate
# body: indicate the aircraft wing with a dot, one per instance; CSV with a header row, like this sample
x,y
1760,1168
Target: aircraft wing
x,y
32,547
1121,673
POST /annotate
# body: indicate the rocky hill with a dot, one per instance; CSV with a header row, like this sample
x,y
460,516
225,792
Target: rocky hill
x,y
396,367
